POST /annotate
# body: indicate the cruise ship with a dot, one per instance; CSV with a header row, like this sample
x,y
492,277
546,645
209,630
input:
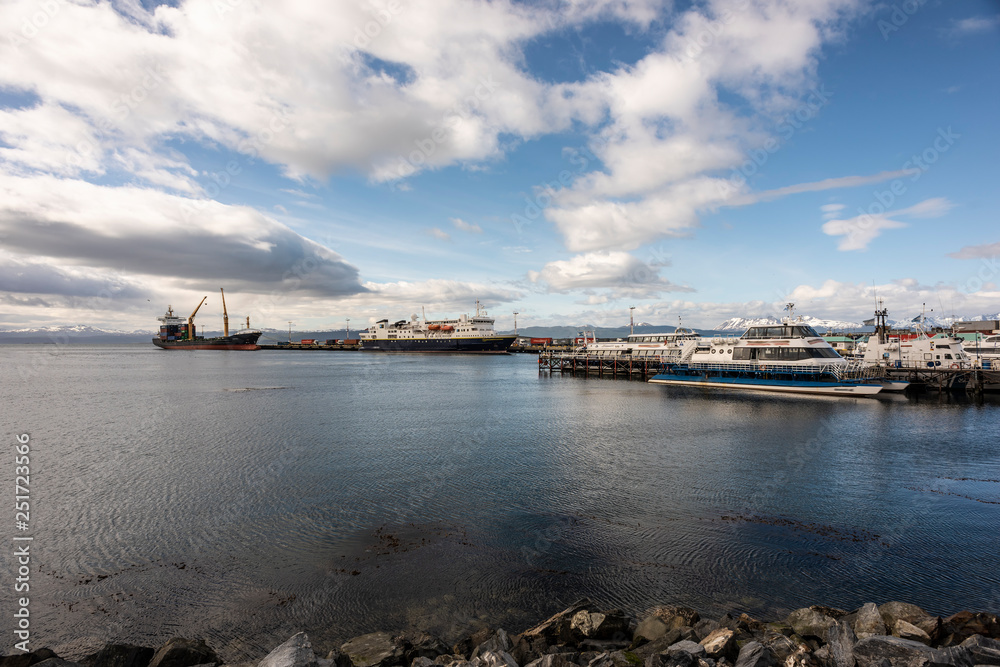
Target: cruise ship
x,y
465,334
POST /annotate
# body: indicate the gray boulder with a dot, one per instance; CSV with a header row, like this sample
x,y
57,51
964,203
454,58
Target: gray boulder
x,y
612,659
869,622
754,654
840,642
296,652
120,655
721,644
552,660
985,651
679,659
57,662
498,641
596,625
556,628
375,648
694,649
180,652
880,651
704,628
26,659
496,659
808,622
781,647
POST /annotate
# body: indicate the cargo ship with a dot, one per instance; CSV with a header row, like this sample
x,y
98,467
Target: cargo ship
x,y
465,334
176,333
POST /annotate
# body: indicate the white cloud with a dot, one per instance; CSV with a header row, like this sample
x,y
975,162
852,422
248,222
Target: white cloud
x,y
830,211
466,226
859,231
985,251
974,24
439,234
624,273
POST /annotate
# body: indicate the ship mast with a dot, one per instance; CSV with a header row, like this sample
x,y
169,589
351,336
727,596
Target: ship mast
x,y
225,315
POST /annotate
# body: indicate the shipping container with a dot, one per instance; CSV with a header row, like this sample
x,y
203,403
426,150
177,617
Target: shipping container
x,y
541,341
351,341
308,341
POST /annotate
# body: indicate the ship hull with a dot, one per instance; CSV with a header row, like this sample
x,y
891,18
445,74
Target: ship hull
x,y
237,342
484,345
761,382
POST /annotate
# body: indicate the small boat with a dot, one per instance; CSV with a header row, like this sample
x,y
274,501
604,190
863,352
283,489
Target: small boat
x,y
917,350
786,358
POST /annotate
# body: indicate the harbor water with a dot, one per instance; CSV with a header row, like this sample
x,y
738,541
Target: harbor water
x,y
243,497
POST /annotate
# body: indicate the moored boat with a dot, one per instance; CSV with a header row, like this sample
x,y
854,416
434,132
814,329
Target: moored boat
x,y
178,333
786,358
465,334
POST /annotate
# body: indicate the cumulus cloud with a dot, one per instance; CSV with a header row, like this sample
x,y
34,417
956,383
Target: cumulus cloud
x,y
859,231
180,238
623,273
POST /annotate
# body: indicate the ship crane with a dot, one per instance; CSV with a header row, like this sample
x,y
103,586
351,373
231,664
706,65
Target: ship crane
x,y
191,319
225,315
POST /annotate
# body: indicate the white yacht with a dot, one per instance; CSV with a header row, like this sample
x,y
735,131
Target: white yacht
x,y
984,350
789,357
643,346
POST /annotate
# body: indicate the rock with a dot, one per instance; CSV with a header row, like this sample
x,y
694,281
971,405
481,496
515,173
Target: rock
x,y
661,645
780,646
822,655
696,650
376,648
932,625
721,644
896,611
869,622
985,651
421,661
497,659
675,617
466,646
57,662
881,651
810,623
754,654
556,629
964,624
598,646
679,659
801,657
613,624
552,660
337,658
25,659
832,612
296,652
651,628
498,641
613,659
526,651
120,655
840,641
180,652
905,630
704,628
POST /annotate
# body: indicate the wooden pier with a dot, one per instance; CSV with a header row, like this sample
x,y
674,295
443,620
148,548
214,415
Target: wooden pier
x,y
589,364
974,381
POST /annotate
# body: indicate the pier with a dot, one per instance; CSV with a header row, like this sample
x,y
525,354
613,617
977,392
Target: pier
x,y
352,347
974,381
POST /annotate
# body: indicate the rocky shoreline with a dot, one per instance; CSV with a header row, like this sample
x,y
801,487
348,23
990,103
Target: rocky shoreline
x,y
894,634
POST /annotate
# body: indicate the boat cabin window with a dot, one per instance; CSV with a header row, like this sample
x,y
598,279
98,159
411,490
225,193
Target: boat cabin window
x,y
781,331
783,353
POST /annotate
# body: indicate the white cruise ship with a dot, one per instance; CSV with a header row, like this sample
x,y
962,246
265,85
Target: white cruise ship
x,y
464,334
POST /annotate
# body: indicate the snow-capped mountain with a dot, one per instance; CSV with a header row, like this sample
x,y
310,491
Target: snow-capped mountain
x,y
823,325
78,330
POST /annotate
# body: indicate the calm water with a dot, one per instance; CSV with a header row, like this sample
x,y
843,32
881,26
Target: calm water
x,y
243,497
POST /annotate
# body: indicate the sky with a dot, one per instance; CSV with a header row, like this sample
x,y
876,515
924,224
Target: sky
x,y
563,159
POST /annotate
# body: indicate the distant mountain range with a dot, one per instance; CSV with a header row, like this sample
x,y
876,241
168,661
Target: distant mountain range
x,y
822,325
86,334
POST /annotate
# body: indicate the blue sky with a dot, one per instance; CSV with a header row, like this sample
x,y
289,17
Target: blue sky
x,y
563,159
